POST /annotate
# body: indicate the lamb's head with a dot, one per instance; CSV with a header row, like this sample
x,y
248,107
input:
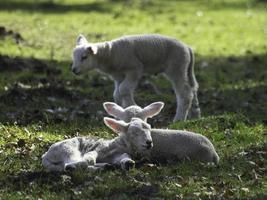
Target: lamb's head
x,y
83,57
136,134
126,114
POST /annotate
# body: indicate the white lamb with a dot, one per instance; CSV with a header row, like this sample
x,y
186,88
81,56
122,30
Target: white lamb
x,y
94,154
169,145
126,59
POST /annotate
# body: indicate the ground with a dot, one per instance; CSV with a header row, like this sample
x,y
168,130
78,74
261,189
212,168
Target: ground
x,y
41,101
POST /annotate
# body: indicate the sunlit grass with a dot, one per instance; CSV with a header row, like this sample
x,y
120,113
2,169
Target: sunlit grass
x,y
209,28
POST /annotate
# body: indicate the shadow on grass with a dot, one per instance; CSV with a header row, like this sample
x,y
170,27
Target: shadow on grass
x,y
38,91
251,102
38,94
233,84
50,6
53,7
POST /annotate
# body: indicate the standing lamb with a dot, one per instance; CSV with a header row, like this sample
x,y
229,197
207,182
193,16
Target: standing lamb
x,y
169,145
92,154
126,59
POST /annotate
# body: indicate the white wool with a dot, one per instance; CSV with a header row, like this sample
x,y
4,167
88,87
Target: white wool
x,y
89,153
169,145
128,58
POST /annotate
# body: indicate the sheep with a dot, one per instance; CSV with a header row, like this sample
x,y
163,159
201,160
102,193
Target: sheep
x,y
93,154
126,59
169,145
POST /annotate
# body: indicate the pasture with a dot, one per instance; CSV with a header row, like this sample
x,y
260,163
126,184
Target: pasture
x,y
41,101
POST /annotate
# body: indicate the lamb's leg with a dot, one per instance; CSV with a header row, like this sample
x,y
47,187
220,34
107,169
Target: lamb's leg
x,y
184,96
127,87
194,111
116,93
90,157
61,153
124,161
176,72
87,159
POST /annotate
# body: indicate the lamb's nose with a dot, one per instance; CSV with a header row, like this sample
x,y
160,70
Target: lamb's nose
x,y
149,144
75,71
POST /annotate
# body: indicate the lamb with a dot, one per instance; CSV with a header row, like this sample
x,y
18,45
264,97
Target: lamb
x,y
126,59
94,154
180,144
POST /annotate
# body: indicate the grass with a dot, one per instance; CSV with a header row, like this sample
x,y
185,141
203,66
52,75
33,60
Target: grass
x,y
42,102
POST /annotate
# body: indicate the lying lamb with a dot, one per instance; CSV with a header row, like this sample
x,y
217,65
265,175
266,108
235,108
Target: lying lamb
x,y
126,59
92,154
169,145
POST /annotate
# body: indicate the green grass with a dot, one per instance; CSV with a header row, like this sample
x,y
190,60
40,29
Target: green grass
x,y
42,102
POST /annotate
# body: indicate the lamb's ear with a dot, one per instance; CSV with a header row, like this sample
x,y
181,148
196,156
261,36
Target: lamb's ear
x,y
92,50
152,110
116,126
114,110
81,40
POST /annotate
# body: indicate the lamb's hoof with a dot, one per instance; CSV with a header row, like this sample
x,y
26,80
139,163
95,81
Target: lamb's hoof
x,y
129,164
178,119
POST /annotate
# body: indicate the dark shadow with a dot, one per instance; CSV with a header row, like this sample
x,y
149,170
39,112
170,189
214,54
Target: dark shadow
x,y
251,102
54,180
155,7
233,84
218,5
54,7
43,92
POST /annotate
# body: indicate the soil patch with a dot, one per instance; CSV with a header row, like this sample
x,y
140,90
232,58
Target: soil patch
x,y
32,64
49,103
9,33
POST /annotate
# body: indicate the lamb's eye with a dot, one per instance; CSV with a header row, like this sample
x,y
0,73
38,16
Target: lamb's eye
x,y
83,57
144,126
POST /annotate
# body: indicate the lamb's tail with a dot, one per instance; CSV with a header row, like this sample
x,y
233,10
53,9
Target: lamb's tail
x,y
216,158
191,72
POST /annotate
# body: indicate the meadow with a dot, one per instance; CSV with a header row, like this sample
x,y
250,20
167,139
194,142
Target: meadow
x,y
42,102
